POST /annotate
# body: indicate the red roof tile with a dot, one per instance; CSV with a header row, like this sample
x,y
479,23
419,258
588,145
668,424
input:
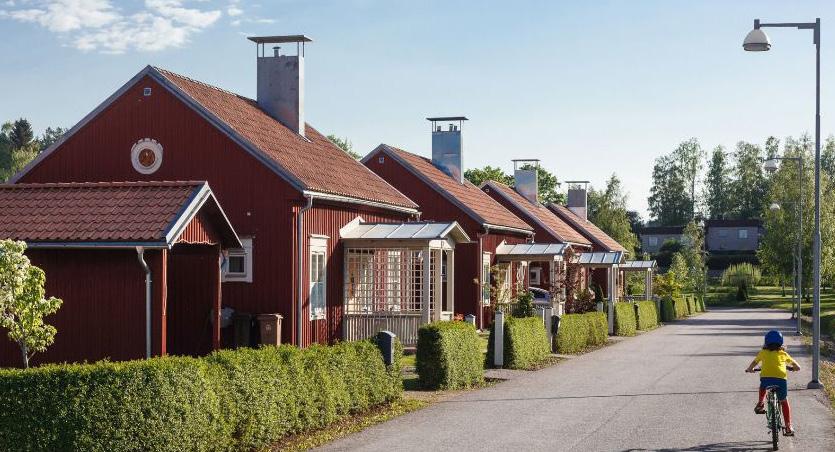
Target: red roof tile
x,y
485,209
315,162
588,228
93,212
559,228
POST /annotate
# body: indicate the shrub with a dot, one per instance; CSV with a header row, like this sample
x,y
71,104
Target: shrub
x,y
680,307
579,331
691,303
625,321
743,276
646,315
668,309
701,302
231,400
525,343
449,356
524,305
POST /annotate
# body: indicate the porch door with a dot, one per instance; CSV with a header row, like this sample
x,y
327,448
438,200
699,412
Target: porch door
x,y
191,295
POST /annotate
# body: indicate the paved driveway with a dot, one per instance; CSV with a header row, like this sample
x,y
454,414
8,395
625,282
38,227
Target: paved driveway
x,y
678,388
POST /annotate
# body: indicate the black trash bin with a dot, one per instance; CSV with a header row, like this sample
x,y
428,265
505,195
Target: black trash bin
x,y
242,323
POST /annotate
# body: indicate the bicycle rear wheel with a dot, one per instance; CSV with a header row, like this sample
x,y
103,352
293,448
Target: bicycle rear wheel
x,y
773,422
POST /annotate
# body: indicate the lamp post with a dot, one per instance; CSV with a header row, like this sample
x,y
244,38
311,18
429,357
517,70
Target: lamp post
x,y
771,166
797,261
757,41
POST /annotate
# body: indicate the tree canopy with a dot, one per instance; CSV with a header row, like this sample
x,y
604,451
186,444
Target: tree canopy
x,y
344,144
607,210
547,182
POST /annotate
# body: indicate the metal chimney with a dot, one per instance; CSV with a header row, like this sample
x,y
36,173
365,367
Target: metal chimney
x,y
578,198
526,179
281,80
447,153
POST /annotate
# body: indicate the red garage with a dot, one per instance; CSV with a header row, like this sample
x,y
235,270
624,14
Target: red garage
x,y
137,264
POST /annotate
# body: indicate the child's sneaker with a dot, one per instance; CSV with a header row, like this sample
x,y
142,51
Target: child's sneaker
x,y
759,409
789,431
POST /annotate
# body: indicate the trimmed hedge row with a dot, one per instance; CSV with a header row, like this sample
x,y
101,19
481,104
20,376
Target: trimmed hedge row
x,y
691,304
449,356
525,343
231,400
647,315
680,307
579,331
626,323
668,309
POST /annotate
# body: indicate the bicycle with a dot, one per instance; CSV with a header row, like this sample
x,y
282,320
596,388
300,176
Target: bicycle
x,y
773,413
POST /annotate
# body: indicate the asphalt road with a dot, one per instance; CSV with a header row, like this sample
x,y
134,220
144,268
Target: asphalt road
x,y
678,388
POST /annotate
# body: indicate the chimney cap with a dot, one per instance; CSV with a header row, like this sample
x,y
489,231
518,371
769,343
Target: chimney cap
x,y
278,39
577,182
448,118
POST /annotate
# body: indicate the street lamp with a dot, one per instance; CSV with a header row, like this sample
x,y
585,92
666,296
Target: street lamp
x,y
797,264
757,41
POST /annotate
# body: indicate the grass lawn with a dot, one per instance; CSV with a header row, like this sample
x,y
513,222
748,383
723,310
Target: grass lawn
x,y
772,297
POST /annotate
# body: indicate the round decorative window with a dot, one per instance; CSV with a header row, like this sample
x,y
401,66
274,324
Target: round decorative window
x,y
146,156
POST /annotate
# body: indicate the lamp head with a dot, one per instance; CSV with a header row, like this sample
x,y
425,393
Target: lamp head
x,y
771,165
756,41
774,207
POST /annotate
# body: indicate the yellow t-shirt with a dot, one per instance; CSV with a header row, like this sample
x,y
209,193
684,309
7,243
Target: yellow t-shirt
x,y
773,363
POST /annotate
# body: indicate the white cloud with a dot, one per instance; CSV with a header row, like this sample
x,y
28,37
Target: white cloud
x,y
96,25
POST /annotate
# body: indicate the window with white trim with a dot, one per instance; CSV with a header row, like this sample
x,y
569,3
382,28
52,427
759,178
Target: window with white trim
x,y
318,277
653,241
238,266
485,279
536,276
742,234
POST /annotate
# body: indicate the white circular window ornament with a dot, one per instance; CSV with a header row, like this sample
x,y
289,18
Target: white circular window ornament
x,y
146,156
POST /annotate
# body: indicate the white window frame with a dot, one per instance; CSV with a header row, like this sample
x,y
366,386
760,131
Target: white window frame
x,y
246,253
318,306
485,279
535,276
742,234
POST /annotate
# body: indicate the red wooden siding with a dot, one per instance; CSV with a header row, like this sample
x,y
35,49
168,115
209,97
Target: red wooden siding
x,y
199,231
103,315
192,299
258,202
435,207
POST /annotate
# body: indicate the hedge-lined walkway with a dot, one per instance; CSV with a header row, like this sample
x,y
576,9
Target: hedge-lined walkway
x,y
677,387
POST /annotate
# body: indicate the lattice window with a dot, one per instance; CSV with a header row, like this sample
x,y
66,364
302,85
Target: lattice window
x,y
385,279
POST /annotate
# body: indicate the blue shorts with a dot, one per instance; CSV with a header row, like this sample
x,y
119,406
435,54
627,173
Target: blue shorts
x,y
781,383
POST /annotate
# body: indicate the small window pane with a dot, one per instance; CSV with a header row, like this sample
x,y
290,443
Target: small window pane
x,y
237,264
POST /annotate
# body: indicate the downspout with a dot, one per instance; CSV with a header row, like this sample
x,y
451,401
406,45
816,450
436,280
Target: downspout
x,y
299,263
140,253
480,266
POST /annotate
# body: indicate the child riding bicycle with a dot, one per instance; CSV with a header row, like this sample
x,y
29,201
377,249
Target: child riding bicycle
x,y
773,361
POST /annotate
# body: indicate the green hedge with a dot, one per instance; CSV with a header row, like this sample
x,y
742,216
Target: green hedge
x,y
231,400
691,304
576,332
668,309
626,324
525,343
647,315
680,307
449,356
701,303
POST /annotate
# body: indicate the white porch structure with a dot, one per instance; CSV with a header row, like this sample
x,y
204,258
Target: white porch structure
x,y
525,253
647,267
611,261
398,276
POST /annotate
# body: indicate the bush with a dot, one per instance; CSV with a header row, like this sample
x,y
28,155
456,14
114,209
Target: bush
x,y
646,315
449,356
701,303
525,343
626,323
680,307
231,400
668,309
691,304
524,305
579,331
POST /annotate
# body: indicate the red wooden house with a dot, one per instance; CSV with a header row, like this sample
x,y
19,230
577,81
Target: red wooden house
x,y
438,186
284,186
136,264
523,201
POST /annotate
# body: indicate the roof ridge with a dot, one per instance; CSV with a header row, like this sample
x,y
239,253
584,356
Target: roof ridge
x,y
199,82
102,184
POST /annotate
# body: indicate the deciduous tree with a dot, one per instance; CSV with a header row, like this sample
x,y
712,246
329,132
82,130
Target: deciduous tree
x,y
22,302
607,210
718,195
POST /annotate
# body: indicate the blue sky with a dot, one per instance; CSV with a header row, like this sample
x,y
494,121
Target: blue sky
x,y
590,88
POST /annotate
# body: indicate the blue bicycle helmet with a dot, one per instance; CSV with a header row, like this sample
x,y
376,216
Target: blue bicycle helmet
x,y
773,337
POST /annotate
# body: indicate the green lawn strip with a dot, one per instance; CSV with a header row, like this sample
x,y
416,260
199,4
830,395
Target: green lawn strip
x,y
772,297
349,425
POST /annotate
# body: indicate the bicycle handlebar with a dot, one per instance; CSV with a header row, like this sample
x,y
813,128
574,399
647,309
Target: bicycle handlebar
x,y
757,369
